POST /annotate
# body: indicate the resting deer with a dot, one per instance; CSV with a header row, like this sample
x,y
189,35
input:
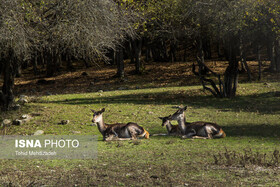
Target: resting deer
x,y
118,131
172,130
199,129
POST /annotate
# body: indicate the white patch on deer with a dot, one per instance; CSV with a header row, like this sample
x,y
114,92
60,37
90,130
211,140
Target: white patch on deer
x,y
99,118
209,129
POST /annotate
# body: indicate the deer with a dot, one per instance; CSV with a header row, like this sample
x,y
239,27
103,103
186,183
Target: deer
x,y
198,129
172,130
118,131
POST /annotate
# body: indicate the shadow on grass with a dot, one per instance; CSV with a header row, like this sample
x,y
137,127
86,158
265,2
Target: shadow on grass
x,y
252,130
264,103
248,130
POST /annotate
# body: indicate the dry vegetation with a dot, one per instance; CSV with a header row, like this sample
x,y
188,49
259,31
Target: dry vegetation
x,y
102,78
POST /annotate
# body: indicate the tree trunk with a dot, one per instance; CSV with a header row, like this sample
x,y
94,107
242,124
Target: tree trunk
x,y
35,63
137,46
229,86
7,96
206,43
200,57
244,60
226,51
43,58
269,48
120,62
164,51
185,55
231,73
219,49
68,59
172,52
148,52
277,56
155,54
159,51
51,58
59,60
131,51
259,62
111,56
18,71
273,57
87,62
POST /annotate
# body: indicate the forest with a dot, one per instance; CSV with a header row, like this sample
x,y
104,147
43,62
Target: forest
x,y
43,34
64,62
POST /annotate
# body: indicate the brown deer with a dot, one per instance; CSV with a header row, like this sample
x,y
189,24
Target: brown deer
x,y
199,129
172,130
118,131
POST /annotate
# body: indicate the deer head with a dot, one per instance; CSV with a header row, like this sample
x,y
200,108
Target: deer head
x,y
97,115
165,120
179,114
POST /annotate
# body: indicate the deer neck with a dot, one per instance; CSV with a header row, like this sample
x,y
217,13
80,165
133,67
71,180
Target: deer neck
x,y
169,127
101,126
182,123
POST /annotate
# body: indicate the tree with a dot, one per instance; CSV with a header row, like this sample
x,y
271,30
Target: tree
x,y
15,44
219,19
86,29
270,10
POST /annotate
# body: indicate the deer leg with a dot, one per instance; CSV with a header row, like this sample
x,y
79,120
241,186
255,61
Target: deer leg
x,y
199,137
160,135
113,138
121,139
205,133
210,136
190,134
133,137
208,131
108,138
115,133
132,133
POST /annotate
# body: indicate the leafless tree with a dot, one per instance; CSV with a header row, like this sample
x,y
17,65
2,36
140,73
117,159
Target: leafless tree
x,y
85,29
15,44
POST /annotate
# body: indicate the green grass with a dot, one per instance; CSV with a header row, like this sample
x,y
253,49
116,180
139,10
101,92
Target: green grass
x,y
251,121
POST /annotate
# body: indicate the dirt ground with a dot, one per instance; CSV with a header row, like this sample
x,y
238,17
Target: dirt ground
x,y
101,77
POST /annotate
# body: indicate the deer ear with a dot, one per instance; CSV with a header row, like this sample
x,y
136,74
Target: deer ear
x,y
92,110
185,108
103,110
160,118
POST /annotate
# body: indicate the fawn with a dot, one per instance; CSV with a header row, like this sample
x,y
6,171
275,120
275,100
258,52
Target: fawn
x,y
172,130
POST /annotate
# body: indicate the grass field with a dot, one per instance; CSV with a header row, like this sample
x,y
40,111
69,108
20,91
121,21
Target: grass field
x,y
249,155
